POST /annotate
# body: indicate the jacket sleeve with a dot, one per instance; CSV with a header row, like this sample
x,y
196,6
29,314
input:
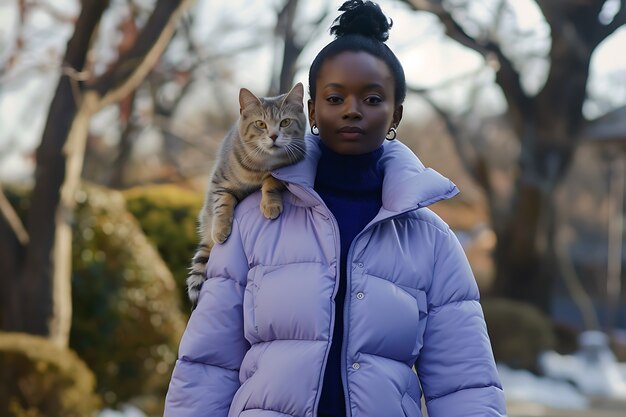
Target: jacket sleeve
x,y
206,375
456,366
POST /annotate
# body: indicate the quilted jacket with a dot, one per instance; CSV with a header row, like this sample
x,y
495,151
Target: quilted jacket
x,y
257,344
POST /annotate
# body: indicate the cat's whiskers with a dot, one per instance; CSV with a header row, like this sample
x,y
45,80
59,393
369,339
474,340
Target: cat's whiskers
x,y
299,147
295,151
291,153
250,157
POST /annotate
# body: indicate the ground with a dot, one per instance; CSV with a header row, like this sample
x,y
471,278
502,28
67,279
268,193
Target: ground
x,y
598,408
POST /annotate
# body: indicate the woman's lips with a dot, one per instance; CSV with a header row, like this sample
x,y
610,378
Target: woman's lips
x,y
351,133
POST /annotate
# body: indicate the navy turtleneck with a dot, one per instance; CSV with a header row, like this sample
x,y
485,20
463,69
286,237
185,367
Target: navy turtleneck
x,y
351,187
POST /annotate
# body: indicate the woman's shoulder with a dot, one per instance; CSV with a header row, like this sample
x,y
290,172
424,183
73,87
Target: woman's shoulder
x,y
429,219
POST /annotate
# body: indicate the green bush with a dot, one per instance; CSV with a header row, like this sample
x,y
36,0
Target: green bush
x,y
40,379
127,320
126,314
518,332
168,216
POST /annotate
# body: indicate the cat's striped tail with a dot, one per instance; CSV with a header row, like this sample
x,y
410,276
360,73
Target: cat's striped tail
x,y
197,272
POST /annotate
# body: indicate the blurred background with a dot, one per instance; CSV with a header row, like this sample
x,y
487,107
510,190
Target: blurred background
x,y
110,116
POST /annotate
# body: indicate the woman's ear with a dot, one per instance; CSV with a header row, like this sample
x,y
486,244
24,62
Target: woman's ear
x,y
397,115
311,106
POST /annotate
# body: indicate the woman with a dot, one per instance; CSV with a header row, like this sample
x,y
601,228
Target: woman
x,y
325,311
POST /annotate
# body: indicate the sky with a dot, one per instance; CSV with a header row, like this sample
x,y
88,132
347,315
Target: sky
x,y
429,59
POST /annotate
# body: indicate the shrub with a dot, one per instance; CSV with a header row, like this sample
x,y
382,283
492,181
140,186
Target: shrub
x,y
40,379
167,215
518,332
126,315
126,320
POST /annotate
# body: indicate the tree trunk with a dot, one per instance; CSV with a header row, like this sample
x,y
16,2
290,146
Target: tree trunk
x,y
11,254
547,126
523,268
117,170
286,33
35,289
291,50
40,285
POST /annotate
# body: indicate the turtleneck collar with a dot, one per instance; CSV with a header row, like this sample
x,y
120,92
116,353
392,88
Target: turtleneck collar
x,y
407,184
356,174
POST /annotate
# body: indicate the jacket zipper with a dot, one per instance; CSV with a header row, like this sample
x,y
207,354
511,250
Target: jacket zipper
x,y
335,228
346,303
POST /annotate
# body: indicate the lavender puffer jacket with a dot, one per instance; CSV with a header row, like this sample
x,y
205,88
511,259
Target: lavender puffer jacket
x,y
257,344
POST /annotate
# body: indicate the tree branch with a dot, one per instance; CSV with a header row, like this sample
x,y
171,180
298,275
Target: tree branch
x,y
584,17
507,76
468,158
11,255
134,65
451,27
12,219
35,293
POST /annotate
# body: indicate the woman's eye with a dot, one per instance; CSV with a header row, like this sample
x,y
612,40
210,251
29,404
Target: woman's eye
x,y
373,100
334,99
285,122
260,124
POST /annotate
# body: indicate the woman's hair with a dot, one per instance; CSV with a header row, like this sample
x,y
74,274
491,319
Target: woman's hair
x,y
362,27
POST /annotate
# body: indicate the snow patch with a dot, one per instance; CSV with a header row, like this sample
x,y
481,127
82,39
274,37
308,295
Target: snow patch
x,y
125,411
523,386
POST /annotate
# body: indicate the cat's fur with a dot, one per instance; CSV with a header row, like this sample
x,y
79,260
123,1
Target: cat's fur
x,y
269,134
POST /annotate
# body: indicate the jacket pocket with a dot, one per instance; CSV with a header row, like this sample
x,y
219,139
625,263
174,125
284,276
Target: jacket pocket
x,y
251,329
410,407
422,305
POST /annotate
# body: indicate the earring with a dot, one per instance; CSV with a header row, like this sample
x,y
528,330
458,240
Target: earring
x,y
391,135
315,130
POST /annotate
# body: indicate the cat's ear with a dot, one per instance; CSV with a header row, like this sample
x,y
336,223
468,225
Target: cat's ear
x,y
247,99
295,95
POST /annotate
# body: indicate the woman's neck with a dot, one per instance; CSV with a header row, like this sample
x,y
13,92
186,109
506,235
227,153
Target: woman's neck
x,y
349,173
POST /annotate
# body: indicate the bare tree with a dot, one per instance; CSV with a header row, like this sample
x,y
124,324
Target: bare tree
x,y
36,275
546,125
180,72
293,39
187,64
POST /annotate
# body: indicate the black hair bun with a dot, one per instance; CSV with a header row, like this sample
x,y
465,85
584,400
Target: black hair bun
x,y
362,18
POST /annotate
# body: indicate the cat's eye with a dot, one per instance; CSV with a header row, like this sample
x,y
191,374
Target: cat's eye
x,y
285,122
260,124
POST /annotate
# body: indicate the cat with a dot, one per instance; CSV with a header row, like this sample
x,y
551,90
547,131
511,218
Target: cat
x,y
269,134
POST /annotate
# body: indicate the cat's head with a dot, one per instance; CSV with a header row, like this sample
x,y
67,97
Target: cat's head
x,y
273,127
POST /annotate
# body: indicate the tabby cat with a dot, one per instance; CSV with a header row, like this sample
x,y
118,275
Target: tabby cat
x,y
269,134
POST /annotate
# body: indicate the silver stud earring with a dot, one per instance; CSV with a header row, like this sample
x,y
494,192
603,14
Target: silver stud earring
x,y
391,135
315,130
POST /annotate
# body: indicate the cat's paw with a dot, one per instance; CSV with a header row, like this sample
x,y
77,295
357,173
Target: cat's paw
x,y
221,231
271,209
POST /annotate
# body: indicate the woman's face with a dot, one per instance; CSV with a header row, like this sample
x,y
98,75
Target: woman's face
x,y
354,103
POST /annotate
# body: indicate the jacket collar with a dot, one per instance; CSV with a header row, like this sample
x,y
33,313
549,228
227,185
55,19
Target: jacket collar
x,y
407,184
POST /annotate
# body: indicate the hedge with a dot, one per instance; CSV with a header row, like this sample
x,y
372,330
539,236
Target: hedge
x,y
40,379
127,320
168,216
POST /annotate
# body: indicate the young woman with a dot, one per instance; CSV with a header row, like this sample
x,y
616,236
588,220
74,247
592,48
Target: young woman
x,y
325,311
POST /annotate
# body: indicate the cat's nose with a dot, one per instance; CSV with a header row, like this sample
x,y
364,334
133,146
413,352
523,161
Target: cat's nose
x,y
273,136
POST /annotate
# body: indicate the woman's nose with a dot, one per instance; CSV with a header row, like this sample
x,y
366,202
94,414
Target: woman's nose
x,y
352,110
